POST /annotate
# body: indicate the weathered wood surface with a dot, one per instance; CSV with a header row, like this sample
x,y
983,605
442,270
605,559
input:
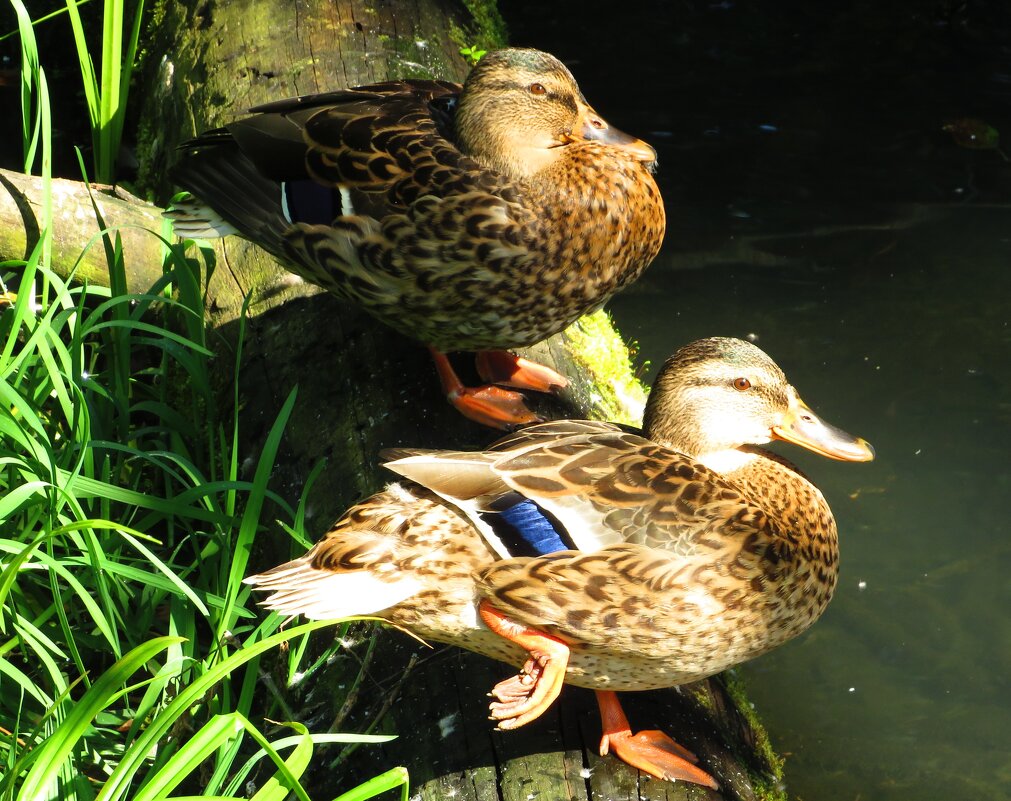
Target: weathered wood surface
x,y
453,751
363,388
75,225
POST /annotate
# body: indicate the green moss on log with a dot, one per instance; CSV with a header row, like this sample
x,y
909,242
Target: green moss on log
x,y
598,347
770,785
486,31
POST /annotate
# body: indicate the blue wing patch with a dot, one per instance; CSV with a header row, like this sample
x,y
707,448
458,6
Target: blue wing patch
x,y
527,530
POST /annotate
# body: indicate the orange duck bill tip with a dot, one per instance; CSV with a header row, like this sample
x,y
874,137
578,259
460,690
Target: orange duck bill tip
x,y
803,427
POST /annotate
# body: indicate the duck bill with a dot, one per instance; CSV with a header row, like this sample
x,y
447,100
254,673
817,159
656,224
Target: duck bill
x,y
803,427
593,128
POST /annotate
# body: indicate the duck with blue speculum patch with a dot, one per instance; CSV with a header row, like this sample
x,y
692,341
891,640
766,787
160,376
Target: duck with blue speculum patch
x,y
585,554
480,217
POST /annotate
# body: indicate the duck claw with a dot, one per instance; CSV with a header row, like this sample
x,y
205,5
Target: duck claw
x,y
488,405
492,406
527,695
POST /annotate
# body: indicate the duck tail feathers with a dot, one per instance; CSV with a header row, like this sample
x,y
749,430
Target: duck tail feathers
x,y
335,580
229,196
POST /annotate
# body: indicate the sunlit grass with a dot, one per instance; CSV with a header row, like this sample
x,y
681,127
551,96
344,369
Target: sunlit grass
x,y
36,122
129,648
106,94
121,557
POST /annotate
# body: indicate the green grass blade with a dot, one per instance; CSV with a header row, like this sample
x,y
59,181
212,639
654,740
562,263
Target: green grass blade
x,y
17,352
109,93
118,783
150,328
46,135
239,778
30,123
60,569
127,61
170,672
397,777
25,411
88,79
27,757
233,460
41,780
28,686
235,570
37,648
284,782
101,622
10,503
167,572
85,487
215,734
45,18
12,568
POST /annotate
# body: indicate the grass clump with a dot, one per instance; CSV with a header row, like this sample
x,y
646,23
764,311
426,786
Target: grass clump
x,y
130,651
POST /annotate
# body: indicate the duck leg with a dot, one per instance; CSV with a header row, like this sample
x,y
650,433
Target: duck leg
x,y
526,696
503,367
487,405
651,751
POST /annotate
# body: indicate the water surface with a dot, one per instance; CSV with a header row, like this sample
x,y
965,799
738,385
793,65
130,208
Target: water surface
x,y
902,689
816,204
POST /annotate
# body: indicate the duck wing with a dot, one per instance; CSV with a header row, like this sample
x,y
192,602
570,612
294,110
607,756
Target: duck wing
x,y
313,158
365,193
594,483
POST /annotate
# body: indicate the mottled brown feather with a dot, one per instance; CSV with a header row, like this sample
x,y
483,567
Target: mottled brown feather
x,y
689,571
457,238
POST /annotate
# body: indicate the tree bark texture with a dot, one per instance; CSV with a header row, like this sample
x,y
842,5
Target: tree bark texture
x,y
362,387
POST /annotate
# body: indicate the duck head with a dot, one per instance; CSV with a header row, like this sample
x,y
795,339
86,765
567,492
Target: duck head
x,y
519,110
716,395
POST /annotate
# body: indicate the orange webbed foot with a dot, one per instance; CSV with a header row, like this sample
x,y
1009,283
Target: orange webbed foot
x,y
650,751
503,367
526,696
493,407
488,405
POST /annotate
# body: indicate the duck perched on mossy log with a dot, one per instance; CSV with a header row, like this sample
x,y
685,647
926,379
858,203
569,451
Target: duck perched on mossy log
x,y
479,217
585,554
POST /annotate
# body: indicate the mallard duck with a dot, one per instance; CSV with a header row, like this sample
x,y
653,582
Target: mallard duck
x,y
589,555
476,218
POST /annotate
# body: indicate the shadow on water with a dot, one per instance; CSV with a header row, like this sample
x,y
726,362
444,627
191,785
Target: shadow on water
x,y
816,203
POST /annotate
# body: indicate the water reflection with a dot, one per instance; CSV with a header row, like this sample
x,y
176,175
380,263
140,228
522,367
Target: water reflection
x,y
901,334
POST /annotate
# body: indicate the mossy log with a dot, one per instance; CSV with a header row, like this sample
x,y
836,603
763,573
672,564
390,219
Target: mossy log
x,y
362,387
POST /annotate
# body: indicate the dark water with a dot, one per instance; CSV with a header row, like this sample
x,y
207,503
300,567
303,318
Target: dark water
x,y
817,206
903,689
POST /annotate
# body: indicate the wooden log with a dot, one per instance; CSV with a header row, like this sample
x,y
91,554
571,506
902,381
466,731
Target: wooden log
x,y
453,751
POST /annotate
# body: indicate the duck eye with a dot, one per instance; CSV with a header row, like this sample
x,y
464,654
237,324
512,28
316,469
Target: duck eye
x,y
742,384
537,89
595,123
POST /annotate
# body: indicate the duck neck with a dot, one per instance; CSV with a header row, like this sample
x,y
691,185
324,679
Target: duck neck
x,y
776,483
514,152
808,541
731,461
